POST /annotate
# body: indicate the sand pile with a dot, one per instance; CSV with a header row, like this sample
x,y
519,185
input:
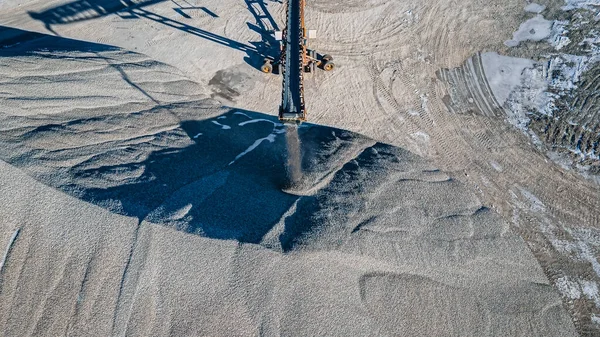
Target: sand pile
x,y
144,208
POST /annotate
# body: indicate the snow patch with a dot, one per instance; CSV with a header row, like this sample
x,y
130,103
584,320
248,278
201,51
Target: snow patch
x,y
496,166
259,120
504,73
534,29
590,290
224,127
420,135
564,71
579,245
530,95
586,254
576,4
592,42
534,8
523,86
568,288
558,37
278,129
270,138
424,102
535,203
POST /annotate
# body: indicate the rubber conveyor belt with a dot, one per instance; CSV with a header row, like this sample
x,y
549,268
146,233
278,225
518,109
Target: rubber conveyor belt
x,y
292,102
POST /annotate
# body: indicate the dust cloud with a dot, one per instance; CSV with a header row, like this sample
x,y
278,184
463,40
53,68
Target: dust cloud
x,y
294,159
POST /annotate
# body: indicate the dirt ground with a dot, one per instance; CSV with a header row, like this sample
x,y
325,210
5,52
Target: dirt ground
x,y
394,60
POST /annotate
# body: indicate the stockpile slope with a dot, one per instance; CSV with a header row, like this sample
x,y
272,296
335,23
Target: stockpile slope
x,y
134,205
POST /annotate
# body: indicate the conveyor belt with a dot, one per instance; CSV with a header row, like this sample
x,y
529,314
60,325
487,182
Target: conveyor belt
x,y
292,101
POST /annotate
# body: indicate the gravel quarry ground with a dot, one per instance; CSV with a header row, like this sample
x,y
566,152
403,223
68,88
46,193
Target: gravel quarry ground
x,y
449,172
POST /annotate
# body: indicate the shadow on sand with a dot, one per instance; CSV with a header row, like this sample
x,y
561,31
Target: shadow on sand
x,y
216,175
83,10
14,41
227,185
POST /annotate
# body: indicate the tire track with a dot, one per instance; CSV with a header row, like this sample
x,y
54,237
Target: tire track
x,y
399,124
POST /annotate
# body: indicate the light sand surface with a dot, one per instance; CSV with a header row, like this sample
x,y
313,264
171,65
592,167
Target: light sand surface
x,y
378,241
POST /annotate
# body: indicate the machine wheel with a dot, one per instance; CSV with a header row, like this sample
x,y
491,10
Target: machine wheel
x,y
328,66
326,58
267,68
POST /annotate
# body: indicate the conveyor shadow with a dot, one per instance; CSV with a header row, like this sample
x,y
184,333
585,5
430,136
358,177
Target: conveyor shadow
x,y
17,42
265,25
83,10
14,41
